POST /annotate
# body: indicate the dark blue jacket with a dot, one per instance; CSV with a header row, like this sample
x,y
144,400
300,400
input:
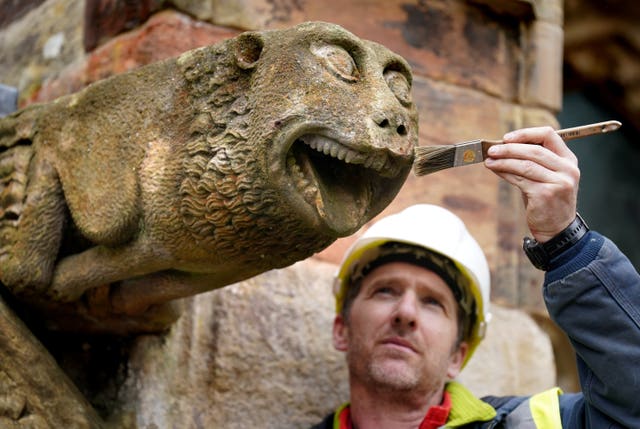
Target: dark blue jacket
x,y
592,291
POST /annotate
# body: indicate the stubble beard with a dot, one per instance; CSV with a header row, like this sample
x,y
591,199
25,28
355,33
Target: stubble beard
x,y
394,376
390,374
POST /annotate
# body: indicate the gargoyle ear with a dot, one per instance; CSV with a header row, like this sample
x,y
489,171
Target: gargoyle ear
x,y
248,49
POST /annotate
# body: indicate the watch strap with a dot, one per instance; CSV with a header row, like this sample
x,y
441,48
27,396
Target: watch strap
x,y
541,254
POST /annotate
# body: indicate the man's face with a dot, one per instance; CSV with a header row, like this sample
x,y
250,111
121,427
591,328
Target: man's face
x,y
401,332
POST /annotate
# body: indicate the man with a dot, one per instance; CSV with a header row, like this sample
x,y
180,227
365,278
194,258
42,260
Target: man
x,y
412,298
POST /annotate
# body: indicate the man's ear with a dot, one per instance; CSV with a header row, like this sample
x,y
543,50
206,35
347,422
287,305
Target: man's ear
x,y
457,359
340,334
248,50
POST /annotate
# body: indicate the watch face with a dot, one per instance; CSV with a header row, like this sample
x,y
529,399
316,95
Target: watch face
x,y
536,253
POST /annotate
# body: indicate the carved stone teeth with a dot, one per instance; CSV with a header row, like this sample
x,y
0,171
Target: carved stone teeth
x,y
377,161
309,192
301,181
326,148
293,166
331,148
349,156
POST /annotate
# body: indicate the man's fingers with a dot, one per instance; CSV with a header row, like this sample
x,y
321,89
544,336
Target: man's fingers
x,y
533,161
536,164
544,136
534,151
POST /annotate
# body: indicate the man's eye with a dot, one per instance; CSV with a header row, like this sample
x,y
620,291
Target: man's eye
x,y
432,301
384,290
338,61
399,85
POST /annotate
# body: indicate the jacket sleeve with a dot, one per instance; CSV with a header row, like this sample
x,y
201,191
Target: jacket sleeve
x,y
593,293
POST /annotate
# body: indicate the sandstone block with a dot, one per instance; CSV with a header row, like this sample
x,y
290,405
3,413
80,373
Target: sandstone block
x,y
515,358
452,41
107,18
254,354
542,83
154,41
14,10
40,44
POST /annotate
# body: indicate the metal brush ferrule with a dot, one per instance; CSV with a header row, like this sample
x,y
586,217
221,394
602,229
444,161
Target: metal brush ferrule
x,y
469,153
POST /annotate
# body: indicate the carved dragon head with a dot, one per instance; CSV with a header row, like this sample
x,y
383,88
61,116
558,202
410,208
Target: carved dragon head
x,y
340,120
309,128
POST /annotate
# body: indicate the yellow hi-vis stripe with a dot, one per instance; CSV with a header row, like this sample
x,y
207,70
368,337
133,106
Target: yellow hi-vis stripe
x,y
336,416
545,409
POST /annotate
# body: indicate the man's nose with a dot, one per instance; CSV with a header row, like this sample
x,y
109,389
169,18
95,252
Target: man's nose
x,y
406,311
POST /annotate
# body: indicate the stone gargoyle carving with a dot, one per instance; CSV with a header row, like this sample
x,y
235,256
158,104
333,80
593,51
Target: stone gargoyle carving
x,y
199,171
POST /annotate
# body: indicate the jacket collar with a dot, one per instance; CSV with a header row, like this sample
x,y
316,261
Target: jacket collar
x,y
466,407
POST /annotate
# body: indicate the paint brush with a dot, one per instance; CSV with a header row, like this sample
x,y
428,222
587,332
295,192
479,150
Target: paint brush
x,y
430,159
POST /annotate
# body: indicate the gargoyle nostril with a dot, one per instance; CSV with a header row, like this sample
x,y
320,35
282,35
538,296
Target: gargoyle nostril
x,y
391,124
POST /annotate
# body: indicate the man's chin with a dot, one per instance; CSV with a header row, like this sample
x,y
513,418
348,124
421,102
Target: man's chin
x,y
394,374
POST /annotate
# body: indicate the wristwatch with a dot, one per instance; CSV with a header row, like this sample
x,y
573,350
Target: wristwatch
x,y
541,254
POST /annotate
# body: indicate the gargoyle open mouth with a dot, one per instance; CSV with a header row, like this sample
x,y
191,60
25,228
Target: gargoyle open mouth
x,y
341,182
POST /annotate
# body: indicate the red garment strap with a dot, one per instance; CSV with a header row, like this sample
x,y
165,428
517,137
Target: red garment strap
x,y
436,416
344,418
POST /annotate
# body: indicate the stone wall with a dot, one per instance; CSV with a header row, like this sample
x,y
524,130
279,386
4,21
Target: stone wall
x,y
259,353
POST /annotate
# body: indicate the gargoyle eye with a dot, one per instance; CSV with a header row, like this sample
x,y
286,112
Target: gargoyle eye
x,y
399,85
338,61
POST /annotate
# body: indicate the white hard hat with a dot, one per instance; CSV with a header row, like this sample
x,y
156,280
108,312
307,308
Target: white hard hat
x,y
440,232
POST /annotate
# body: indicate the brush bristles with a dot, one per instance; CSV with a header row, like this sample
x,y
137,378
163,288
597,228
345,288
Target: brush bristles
x,y
430,159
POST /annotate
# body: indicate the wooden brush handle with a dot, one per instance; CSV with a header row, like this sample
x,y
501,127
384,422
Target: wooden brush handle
x,y
588,130
567,133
